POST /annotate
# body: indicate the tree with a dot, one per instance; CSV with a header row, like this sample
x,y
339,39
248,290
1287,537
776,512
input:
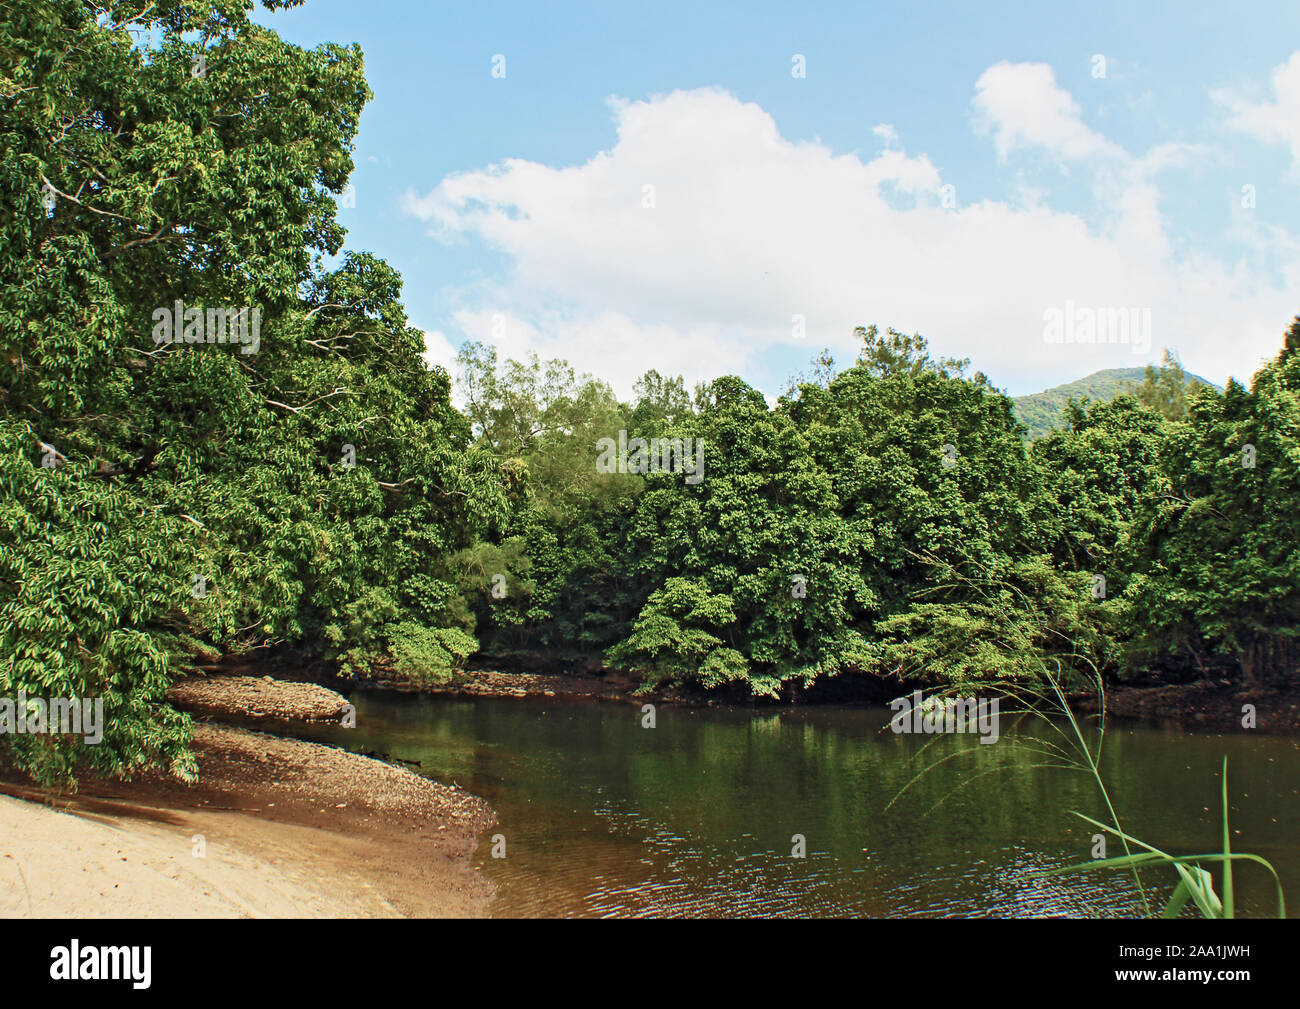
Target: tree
x,y
1219,588
303,490
1164,389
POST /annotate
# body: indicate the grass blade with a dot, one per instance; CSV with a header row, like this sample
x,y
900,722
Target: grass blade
x,y
1227,847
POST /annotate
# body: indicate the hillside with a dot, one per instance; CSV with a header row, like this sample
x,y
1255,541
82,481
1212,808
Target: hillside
x,y
1041,411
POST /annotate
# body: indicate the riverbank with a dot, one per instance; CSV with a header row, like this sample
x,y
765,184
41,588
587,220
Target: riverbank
x,y
694,815
1212,705
282,827
274,827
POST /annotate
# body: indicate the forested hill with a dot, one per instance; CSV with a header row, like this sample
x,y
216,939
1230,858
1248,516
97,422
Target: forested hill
x,y
219,438
1044,411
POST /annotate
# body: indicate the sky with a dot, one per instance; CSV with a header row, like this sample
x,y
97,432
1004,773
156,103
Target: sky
x,y
714,188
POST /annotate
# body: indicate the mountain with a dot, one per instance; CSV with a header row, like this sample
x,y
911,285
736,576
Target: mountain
x,y
1042,411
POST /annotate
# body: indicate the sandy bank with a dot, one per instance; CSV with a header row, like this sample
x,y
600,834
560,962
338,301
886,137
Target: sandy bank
x,y
63,865
289,829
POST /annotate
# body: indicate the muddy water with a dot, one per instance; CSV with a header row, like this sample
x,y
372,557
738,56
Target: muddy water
x,y
698,815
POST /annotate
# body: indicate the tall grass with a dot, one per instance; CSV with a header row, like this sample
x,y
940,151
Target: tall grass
x,y
1073,752
1194,883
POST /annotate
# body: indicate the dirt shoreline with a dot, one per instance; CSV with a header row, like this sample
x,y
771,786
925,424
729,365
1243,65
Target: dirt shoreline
x,y
288,828
261,698
282,827
1213,705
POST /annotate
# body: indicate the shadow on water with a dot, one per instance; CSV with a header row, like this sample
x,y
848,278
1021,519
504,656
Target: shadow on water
x,y
697,815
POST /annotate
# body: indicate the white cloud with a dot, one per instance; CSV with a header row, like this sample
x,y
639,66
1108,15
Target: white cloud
x,y
1024,108
887,134
608,345
439,350
1275,121
748,229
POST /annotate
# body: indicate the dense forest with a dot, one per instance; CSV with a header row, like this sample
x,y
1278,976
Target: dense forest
x,y
169,496
1164,388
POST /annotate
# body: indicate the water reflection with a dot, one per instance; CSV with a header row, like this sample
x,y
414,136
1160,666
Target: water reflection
x,y
698,816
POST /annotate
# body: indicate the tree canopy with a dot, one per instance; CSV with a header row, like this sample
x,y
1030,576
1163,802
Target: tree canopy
x,y
277,470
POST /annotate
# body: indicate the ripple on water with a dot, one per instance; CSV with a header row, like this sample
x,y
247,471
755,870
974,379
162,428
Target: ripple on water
x,y
697,817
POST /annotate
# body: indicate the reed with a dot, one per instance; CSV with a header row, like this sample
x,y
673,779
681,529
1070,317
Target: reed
x,y
1195,884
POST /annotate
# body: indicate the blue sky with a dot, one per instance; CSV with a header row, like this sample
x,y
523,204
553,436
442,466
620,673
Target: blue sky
x,y
784,210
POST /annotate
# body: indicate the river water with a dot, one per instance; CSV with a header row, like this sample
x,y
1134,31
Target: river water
x,y
698,816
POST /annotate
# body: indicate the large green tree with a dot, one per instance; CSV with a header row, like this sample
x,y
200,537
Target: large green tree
x,y
166,501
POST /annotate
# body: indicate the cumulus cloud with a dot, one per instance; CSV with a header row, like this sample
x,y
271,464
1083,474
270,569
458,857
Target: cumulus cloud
x,y
439,350
1275,120
701,238
1023,107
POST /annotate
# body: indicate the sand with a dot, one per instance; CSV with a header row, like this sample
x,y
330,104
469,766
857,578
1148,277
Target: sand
x,y
60,865
289,829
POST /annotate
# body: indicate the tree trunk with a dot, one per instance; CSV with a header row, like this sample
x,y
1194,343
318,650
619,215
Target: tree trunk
x,y
1248,663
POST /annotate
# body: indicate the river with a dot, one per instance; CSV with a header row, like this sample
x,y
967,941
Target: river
x,y
698,816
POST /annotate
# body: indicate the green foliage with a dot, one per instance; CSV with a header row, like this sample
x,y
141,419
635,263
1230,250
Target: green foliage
x,y
316,486
887,518
94,602
897,353
1218,570
1165,389
427,654
670,637
1003,626
1046,411
1080,749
